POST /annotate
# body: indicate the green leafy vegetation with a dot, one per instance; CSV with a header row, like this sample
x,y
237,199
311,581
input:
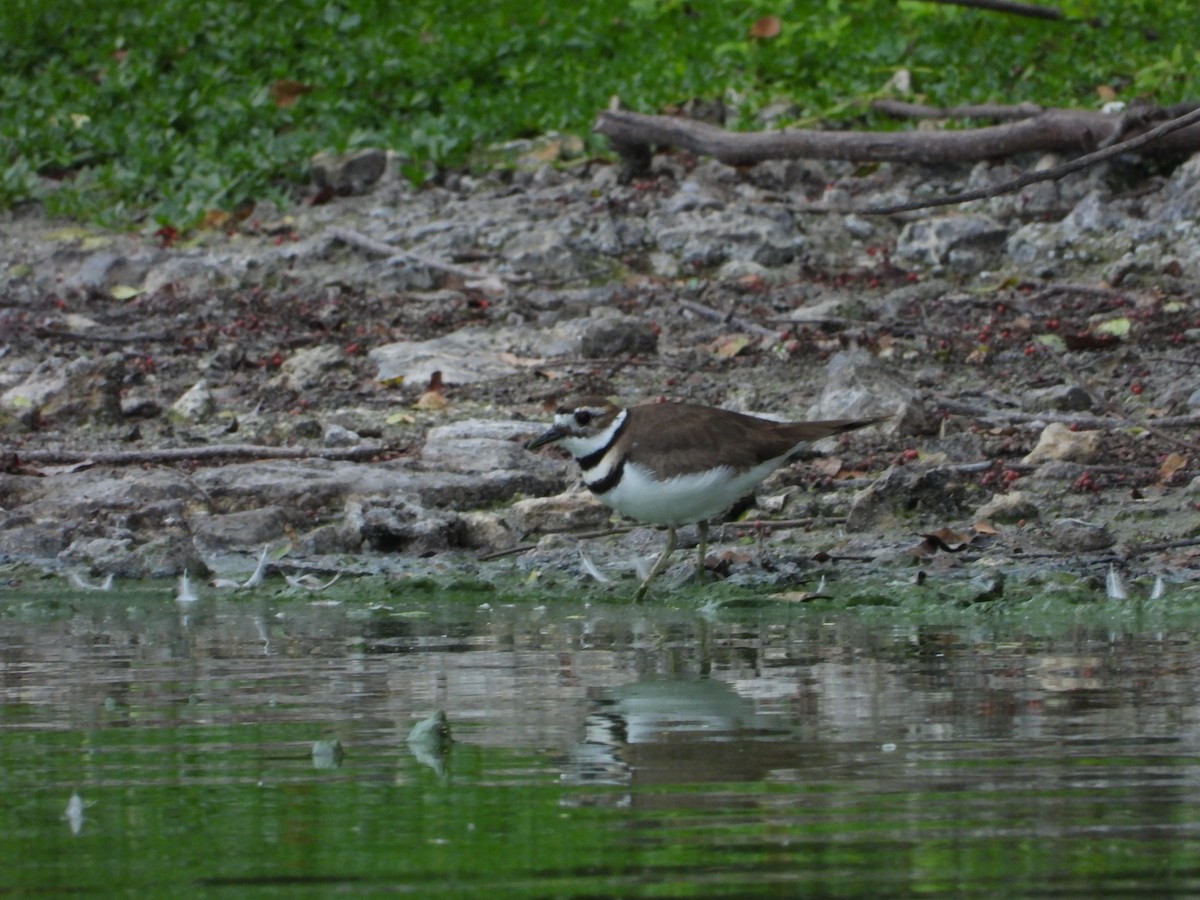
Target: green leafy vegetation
x,y
169,110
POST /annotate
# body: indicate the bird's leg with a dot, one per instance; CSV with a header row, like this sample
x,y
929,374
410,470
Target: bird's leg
x,y
700,568
658,566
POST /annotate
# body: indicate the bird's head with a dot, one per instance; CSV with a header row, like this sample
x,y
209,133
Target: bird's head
x,y
578,420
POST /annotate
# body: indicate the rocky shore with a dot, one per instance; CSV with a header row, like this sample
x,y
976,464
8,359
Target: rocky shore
x,y
350,383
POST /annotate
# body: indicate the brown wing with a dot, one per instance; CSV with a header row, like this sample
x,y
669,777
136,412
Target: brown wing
x,y
684,438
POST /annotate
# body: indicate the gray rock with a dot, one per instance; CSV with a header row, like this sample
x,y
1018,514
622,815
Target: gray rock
x,y
140,404
691,196
618,336
859,385
965,243
106,555
1058,442
475,455
95,273
705,240
476,446
330,540
348,173
75,392
489,429
1181,195
1011,507
572,511
1061,397
310,368
1093,215
197,270
1055,472
394,525
340,436
22,538
167,556
315,484
909,494
196,406
1078,536
546,252
462,492
463,357
100,495
961,447
106,268
486,531
215,535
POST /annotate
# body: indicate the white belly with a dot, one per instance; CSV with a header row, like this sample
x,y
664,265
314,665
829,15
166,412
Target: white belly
x,y
686,498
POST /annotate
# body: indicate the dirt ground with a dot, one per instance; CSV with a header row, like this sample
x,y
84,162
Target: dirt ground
x,y
985,356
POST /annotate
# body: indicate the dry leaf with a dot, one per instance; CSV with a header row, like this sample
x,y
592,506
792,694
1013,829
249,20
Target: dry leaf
x,y
1090,341
548,152
986,528
285,93
943,540
766,28
1172,464
730,345
527,362
799,596
123,291
751,284
433,398
829,466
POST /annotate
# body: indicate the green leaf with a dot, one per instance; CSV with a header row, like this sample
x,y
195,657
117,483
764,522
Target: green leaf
x,y
1115,327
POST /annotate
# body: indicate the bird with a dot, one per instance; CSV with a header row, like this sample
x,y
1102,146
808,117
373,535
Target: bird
x,y
677,464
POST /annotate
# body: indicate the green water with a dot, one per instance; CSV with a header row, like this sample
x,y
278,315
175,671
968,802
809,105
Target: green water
x,y
599,750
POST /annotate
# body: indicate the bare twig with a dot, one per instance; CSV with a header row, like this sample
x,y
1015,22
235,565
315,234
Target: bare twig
x,y
84,338
189,454
1138,549
362,242
737,321
507,551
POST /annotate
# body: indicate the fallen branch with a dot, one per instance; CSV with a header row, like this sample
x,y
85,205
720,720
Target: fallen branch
x,y
998,112
1027,10
191,454
1056,130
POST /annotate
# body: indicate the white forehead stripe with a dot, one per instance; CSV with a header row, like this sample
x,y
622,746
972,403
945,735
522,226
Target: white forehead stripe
x,y
584,445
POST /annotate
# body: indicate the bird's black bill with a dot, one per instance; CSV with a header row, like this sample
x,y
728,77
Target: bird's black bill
x,y
548,438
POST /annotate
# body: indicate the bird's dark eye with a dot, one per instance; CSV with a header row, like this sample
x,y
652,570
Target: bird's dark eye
x,y
583,416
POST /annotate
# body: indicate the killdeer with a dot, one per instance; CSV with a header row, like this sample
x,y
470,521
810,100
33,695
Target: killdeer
x,y
674,464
